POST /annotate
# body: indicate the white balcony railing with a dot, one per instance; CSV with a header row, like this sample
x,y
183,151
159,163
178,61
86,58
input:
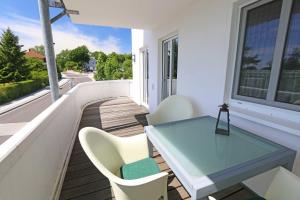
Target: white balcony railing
x,y
33,161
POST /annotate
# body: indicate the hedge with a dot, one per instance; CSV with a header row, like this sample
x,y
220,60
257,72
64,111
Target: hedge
x,y
40,75
11,91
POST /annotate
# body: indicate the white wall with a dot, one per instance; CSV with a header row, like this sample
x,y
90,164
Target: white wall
x,y
152,45
203,48
137,36
204,31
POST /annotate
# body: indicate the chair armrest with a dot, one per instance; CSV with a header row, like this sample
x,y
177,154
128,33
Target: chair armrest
x,y
147,188
133,148
285,185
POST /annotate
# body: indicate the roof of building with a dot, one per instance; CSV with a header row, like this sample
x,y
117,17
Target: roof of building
x,y
33,54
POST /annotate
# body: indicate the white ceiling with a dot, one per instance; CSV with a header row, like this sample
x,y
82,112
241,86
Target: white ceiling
x,y
143,14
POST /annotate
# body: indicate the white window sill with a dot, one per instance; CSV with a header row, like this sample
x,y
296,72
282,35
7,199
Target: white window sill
x,y
284,120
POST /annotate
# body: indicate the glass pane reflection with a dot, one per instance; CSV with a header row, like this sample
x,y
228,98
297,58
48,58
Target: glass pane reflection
x,y
260,39
289,83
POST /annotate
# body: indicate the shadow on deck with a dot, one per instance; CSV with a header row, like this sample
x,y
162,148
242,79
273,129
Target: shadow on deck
x,y
120,117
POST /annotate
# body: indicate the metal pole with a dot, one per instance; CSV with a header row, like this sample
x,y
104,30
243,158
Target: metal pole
x,y
49,50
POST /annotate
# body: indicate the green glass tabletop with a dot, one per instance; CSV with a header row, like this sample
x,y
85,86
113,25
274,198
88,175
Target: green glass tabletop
x,y
201,152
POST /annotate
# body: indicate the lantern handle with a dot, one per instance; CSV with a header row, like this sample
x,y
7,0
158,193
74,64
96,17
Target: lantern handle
x,y
224,107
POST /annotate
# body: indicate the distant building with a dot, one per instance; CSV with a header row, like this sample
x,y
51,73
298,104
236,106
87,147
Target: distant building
x,y
91,65
33,54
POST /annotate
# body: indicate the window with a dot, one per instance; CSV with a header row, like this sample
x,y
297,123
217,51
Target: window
x,y
288,90
268,56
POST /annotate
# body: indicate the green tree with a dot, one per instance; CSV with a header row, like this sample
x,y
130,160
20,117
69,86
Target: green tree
x,y
95,54
62,58
79,55
249,61
39,48
98,54
128,56
113,66
292,62
72,65
75,58
12,61
101,60
99,75
101,56
35,64
121,58
127,65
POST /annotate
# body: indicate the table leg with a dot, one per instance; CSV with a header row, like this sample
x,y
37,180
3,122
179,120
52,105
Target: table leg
x,y
290,163
150,148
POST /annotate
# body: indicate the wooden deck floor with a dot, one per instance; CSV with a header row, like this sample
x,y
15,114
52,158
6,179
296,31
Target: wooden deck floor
x,y
120,117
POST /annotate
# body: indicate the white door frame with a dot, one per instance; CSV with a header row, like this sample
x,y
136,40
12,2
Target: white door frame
x,y
144,62
162,71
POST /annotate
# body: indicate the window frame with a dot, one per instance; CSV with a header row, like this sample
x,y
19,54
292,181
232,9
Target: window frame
x,y
281,40
170,38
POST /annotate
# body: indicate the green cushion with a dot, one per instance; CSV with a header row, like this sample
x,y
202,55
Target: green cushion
x,y
256,198
139,169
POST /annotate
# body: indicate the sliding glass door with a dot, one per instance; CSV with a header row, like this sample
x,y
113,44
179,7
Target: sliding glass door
x,y
169,66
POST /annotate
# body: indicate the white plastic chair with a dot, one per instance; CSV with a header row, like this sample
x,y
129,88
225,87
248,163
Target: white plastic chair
x,y
108,153
285,185
173,108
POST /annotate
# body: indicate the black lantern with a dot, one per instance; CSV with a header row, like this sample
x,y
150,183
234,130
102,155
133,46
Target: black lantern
x,y
222,131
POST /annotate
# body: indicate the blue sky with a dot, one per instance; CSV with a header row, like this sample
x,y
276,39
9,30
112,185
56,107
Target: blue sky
x,y
22,17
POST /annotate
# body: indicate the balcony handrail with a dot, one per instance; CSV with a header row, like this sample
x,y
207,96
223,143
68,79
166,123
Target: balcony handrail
x,y
32,162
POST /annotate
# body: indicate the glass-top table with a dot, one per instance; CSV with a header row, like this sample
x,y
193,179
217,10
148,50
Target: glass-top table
x,y
206,162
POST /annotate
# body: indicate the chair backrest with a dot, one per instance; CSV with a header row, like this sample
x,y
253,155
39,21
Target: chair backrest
x,y
101,149
174,108
285,185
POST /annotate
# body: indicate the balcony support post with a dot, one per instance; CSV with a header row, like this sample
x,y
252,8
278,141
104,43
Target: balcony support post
x,y
49,49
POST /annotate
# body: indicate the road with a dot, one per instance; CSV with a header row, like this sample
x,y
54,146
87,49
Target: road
x,y
14,120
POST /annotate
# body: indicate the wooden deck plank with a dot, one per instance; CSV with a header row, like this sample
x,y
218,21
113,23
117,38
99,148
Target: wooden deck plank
x,y
122,117
82,181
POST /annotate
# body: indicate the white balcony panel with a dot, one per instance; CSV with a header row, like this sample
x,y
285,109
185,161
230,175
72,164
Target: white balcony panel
x,y
33,160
